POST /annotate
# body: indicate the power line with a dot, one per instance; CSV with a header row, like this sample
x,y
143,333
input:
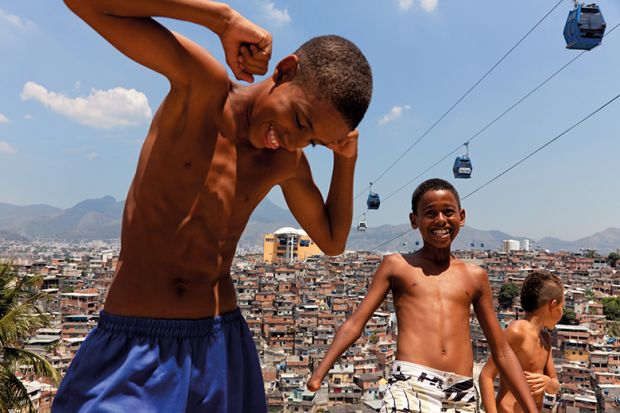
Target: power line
x,y
542,147
460,99
488,125
387,242
522,159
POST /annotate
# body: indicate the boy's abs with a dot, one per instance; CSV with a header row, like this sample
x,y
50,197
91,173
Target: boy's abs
x,y
157,292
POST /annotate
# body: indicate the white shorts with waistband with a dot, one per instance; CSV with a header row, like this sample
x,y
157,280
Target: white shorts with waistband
x,y
417,388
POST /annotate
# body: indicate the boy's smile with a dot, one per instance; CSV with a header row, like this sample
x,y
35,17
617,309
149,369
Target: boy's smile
x,y
438,217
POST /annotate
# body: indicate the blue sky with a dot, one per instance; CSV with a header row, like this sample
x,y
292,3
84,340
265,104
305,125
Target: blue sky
x,y
74,111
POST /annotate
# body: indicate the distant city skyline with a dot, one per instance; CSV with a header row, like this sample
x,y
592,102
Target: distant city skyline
x,y
74,111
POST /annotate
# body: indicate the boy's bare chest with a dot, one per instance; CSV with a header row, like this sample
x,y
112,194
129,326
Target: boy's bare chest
x,y
448,287
206,178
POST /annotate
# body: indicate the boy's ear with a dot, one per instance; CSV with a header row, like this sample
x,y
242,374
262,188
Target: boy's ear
x,y
413,220
462,213
286,69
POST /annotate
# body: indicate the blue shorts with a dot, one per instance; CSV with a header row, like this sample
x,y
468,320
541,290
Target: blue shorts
x,y
129,364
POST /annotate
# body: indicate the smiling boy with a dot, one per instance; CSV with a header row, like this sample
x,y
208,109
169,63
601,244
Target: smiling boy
x,y
542,298
171,337
432,293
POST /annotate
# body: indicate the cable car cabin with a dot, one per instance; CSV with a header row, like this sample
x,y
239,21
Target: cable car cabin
x,y
462,167
585,27
373,201
361,226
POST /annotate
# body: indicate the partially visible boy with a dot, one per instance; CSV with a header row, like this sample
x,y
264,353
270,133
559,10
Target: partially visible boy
x,y
432,293
171,337
542,298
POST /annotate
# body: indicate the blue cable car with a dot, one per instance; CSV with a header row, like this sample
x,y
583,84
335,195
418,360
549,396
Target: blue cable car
x,y
373,201
462,165
585,27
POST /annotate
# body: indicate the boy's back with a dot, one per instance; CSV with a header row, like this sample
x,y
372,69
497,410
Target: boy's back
x,y
532,347
542,300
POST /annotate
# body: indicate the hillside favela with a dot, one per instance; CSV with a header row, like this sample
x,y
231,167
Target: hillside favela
x,y
294,298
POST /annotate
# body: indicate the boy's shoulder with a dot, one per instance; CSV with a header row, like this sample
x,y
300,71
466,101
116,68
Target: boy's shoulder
x,y
519,330
395,259
474,271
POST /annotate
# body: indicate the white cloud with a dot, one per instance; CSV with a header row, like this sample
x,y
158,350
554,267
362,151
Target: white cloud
x,y
101,109
6,148
428,5
27,116
16,21
394,113
3,119
277,16
404,4
92,155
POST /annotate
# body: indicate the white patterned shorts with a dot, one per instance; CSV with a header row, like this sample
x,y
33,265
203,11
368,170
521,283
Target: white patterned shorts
x,y
416,388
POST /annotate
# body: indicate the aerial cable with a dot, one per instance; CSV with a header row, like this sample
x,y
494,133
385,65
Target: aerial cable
x,y
461,98
488,125
521,160
542,147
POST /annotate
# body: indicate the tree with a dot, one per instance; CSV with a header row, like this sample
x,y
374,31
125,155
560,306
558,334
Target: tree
x,y
20,317
507,294
611,308
612,258
569,318
591,254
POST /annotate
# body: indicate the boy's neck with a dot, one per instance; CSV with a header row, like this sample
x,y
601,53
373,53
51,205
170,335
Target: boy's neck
x,y
437,255
241,100
536,320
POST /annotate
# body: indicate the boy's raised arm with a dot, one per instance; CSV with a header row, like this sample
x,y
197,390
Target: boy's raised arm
x,y
128,26
487,387
327,223
503,356
352,328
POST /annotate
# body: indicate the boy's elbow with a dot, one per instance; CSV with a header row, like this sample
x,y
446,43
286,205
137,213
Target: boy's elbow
x,y
333,248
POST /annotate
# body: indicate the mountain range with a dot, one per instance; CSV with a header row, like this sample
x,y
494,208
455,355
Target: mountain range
x,y
101,219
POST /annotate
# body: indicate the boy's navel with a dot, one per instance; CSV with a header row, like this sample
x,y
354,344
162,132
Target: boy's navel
x,y
180,287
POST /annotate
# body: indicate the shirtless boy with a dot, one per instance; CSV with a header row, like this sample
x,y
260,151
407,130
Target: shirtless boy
x,y
171,337
432,293
542,298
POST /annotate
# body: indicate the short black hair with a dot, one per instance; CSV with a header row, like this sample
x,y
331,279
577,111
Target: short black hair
x,y
539,288
433,184
335,69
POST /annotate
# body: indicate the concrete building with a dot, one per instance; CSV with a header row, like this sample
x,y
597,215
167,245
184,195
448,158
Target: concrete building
x,y
510,245
288,244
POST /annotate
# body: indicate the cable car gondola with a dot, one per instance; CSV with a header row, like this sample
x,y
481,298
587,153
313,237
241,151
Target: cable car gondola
x,y
361,226
462,165
585,27
373,201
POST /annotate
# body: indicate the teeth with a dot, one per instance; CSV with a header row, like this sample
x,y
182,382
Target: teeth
x,y
272,137
440,232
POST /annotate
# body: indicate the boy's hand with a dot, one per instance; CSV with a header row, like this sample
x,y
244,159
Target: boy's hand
x,y
247,47
314,383
537,382
346,147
